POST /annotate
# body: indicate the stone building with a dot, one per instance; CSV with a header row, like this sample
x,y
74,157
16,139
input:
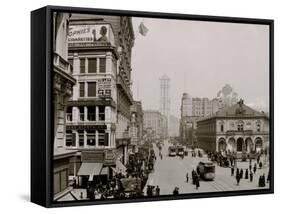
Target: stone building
x,y
98,114
62,91
136,126
192,110
238,129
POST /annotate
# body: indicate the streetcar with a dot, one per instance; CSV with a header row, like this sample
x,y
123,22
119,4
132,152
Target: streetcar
x,y
180,151
172,151
206,170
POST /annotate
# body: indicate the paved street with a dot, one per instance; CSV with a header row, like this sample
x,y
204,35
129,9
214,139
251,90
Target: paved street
x,y
171,171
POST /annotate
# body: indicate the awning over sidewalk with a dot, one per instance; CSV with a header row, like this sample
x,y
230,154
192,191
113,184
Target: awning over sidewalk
x,y
90,169
120,168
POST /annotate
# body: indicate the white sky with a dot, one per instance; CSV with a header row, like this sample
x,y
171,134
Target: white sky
x,y
200,58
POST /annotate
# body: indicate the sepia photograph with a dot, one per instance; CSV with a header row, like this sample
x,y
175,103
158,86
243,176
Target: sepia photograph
x,y
147,107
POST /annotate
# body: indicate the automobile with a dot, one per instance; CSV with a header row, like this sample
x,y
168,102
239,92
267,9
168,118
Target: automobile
x,y
172,151
206,170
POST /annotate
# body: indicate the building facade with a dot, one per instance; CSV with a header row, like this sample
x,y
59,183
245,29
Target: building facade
x,y
136,127
92,110
154,124
237,129
98,114
62,91
174,126
192,110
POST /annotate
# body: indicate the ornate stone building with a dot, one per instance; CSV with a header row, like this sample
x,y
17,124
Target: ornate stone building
x,y
238,128
62,91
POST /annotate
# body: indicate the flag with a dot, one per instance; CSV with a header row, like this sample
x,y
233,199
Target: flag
x,y
142,29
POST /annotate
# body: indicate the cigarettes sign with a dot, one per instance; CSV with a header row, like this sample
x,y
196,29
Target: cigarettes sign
x,y
90,34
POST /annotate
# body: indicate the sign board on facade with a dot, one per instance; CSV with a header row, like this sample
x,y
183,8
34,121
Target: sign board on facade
x,y
91,34
104,87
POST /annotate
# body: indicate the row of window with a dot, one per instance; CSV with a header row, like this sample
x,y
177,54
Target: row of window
x,y
91,113
92,65
90,139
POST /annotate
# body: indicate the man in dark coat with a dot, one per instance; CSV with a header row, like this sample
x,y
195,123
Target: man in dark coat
x,y
255,168
176,191
251,176
157,190
232,170
241,173
187,178
260,165
197,182
246,174
238,178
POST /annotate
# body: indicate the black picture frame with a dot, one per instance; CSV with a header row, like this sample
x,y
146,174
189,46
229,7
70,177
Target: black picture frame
x,y
41,103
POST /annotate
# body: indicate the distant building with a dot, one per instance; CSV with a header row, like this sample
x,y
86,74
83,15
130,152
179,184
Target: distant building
x,y
226,97
193,109
174,126
234,129
154,123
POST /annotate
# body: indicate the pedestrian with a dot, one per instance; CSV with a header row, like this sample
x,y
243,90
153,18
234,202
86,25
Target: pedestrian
x,y
237,172
193,174
232,170
187,178
176,191
157,190
197,183
258,159
246,174
268,177
238,178
255,168
260,181
251,176
241,173
250,166
260,165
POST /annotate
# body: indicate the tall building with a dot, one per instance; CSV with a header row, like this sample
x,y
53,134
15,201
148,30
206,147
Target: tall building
x,y
98,115
62,91
165,99
239,129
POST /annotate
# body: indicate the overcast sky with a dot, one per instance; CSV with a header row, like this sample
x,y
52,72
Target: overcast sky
x,y
200,58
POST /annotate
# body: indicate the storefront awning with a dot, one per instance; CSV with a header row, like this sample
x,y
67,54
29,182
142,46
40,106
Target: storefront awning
x,y
90,169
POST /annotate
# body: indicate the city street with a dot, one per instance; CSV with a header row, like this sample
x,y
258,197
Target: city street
x,y
171,172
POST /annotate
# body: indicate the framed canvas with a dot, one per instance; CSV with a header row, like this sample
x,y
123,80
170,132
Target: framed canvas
x,y
134,106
